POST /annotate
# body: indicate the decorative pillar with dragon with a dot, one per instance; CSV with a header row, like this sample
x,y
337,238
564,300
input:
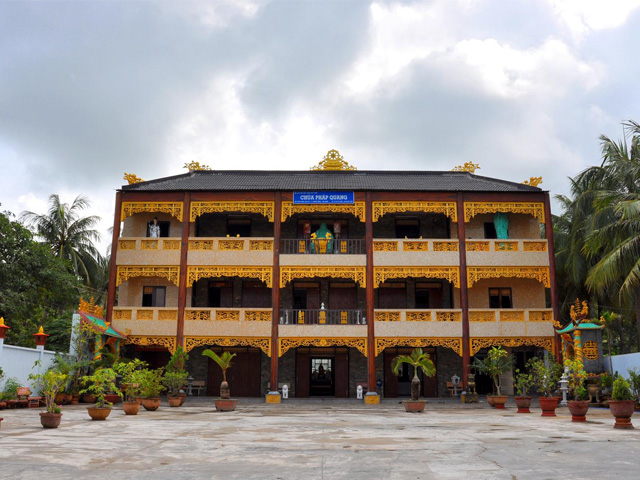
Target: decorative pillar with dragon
x,y
582,339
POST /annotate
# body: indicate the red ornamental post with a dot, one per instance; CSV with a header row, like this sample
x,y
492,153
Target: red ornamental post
x,y
41,337
3,328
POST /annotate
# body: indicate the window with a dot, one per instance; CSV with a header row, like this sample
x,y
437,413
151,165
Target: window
x,y
239,226
164,228
500,298
407,227
490,230
154,296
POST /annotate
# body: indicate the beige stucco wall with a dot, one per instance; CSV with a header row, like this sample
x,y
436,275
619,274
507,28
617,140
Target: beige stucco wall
x,y
138,256
230,257
418,329
339,260
510,329
525,293
412,258
147,327
322,331
240,328
507,258
130,292
520,226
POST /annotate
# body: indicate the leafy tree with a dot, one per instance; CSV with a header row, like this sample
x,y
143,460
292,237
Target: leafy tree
x,y
497,362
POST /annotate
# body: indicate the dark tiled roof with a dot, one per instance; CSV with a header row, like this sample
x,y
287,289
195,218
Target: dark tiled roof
x,y
270,180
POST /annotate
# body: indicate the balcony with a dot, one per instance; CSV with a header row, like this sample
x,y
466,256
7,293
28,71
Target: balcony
x,y
246,322
418,323
302,246
418,252
507,253
146,320
322,317
230,251
148,251
511,322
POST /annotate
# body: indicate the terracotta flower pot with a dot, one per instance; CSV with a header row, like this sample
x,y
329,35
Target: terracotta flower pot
x,y
75,399
86,398
490,401
548,406
151,404
174,401
50,420
1,421
414,406
99,413
523,404
622,410
578,409
59,399
499,400
183,397
113,398
226,405
131,408
3,405
68,398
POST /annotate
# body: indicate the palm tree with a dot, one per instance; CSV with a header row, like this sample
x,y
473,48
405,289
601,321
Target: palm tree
x,y
224,362
69,235
418,360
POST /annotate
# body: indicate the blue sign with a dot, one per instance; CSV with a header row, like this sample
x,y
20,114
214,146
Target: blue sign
x,y
323,197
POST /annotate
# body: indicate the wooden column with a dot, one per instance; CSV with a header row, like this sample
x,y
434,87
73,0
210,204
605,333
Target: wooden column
x,y
111,293
275,291
184,252
555,304
464,293
371,337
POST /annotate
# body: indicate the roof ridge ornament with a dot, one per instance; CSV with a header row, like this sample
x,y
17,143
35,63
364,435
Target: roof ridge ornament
x,y
194,166
333,161
533,181
466,167
132,178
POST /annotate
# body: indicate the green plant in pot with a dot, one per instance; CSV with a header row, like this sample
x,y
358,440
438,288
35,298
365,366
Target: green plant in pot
x,y
225,403
131,373
523,382
497,362
151,388
420,361
100,384
546,374
177,364
622,404
173,382
49,384
576,376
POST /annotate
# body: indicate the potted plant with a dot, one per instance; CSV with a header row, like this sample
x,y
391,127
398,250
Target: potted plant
x,y
10,392
546,374
173,382
225,403
634,383
497,362
418,360
151,388
622,404
100,384
177,364
523,382
131,373
49,384
576,377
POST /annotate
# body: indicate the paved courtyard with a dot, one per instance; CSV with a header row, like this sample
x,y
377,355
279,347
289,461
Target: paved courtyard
x,y
318,440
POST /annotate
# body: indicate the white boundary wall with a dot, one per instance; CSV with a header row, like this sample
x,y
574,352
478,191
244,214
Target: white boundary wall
x,y
18,362
622,363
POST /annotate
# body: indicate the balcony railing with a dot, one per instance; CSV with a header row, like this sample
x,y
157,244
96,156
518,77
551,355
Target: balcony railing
x,y
322,317
322,246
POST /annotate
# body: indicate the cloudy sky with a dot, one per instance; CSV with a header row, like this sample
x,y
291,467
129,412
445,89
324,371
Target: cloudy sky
x,y
89,90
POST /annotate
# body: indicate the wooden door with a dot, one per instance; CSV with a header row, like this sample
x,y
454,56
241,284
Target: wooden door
x,y
302,373
313,299
243,376
390,380
255,295
341,373
343,297
392,296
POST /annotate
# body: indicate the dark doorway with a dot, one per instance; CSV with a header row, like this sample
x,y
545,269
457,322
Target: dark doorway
x,y
306,296
243,376
342,296
219,295
335,363
392,295
400,386
321,381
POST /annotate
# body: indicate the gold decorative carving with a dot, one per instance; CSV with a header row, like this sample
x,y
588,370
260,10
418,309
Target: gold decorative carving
x,y
448,316
230,245
201,245
512,316
422,316
149,244
382,274
172,208
263,208
261,245
539,246
540,274
228,315
482,316
124,273
446,208
195,273
168,342
262,343
453,343
126,244
287,274
333,161
385,246
90,307
466,167
387,316
132,178
533,181
541,316
257,315
479,343
144,314
415,246
506,246
471,209
121,314
198,314
445,246
478,246
356,209
167,315
194,166
171,244
590,350
291,342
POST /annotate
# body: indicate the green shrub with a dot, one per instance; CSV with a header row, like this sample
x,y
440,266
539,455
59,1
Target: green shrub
x,y
581,393
621,390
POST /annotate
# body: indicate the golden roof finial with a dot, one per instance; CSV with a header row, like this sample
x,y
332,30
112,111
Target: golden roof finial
x,y
333,161
41,330
195,166
132,178
533,181
1,320
467,167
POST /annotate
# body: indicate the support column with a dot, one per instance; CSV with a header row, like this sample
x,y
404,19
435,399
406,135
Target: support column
x,y
371,397
184,253
464,293
555,304
274,396
111,292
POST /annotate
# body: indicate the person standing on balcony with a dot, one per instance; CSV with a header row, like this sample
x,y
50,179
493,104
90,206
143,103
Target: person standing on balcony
x,y
337,230
154,228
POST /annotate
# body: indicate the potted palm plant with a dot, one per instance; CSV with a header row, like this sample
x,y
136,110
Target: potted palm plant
x,y
49,384
101,384
131,373
579,406
418,360
622,404
523,382
497,362
151,388
225,403
546,377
